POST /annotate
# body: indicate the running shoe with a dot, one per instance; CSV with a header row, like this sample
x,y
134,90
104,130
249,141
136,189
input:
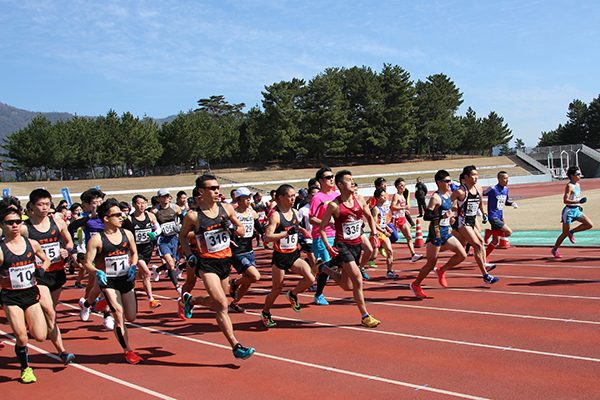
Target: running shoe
x,y
313,288
370,322
320,300
294,300
154,304
319,264
571,237
487,278
441,276
133,358
100,305
372,264
67,358
267,319
233,288
382,252
79,285
555,253
242,352
84,313
416,257
180,274
235,308
489,267
109,323
187,307
391,275
365,276
417,290
180,305
155,273
27,376
178,289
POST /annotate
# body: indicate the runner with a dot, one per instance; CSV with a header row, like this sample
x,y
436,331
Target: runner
x,y
420,194
380,183
261,209
111,257
306,244
20,294
400,209
572,211
348,212
168,216
318,205
211,224
283,230
241,247
470,194
145,229
56,242
182,202
439,212
383,230
497,198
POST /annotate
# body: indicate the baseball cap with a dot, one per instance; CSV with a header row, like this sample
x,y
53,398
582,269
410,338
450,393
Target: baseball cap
x,y
163,192
243,191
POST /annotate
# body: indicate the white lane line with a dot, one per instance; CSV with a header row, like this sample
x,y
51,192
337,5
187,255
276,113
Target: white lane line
x,y
93,371
307,364
539,278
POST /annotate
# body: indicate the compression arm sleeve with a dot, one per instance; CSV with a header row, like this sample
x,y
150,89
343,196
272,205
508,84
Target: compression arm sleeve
x,y
78,223
156,228
259,228
430,215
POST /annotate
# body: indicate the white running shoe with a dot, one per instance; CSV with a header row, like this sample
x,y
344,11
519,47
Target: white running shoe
x,y
416,257
178,290
155,273
109,323
84,313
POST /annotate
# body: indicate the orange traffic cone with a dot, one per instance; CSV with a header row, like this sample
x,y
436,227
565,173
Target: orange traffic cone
x,y
503,244
419,236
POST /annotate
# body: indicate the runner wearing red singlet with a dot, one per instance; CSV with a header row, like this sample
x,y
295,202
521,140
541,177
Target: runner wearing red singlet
x,y
56,241
348,211
399,209
20,294
211,223
283,229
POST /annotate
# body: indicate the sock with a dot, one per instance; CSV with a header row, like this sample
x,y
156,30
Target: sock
x,y
21,353
321,282
173,276
488,250
161,268
106,314
268,314
86,304
365,316
468,247
571,231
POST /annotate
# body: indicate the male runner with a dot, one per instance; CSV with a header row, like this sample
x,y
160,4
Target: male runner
x,y
439,212
283,230
20,293
572,211
211,224
400,209
56,242
168,216
348,212
112,257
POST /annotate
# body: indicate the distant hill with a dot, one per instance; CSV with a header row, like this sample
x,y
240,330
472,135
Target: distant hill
x,y
12,119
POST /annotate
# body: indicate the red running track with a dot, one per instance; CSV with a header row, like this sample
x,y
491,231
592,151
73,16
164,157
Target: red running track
x,y
534,334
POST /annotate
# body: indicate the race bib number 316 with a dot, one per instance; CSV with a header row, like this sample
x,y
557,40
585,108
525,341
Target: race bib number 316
x,y
216,240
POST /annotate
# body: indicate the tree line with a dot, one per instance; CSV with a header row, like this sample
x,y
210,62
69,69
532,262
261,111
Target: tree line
x,y
350,112
583,126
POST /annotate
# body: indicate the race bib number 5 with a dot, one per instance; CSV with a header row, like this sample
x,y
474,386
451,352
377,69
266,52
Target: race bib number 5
x,y
351,229
216,240
117,265
22,277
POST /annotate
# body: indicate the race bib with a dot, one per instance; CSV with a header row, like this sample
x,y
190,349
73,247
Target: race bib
x,y
52,251
501,202
168,228
445,221
261,215
117,265
352,229
472,208
22,277
216,240
248,229
141,236
290,242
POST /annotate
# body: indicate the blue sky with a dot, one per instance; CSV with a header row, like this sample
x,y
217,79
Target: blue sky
x,y
526,60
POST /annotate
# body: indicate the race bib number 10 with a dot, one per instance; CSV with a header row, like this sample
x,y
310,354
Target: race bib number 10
x,y
22,277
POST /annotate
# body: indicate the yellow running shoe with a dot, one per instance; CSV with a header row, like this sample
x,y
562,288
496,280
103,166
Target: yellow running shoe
x,y
370,322
27,376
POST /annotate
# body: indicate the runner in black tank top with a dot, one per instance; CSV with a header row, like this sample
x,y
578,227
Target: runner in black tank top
x,y
168,215
19,292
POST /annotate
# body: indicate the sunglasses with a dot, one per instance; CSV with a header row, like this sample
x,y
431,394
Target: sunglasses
x,y
328,177
577,173
115,215
448,180
12,222
213,188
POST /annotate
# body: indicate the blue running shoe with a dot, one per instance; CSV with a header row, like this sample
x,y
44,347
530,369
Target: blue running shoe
x,y
67,358
242,352
187,308
320,300
365,276
487,278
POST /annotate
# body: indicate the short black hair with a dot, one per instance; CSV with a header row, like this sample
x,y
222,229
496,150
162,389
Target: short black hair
x,y
201,180
91,194
572,170
104,208
137,197
441,175
6,211
74,206
467,171
379,181
312,182
339,177
311,188
181,193
378,192
321,172
283,190
38,194
397,181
